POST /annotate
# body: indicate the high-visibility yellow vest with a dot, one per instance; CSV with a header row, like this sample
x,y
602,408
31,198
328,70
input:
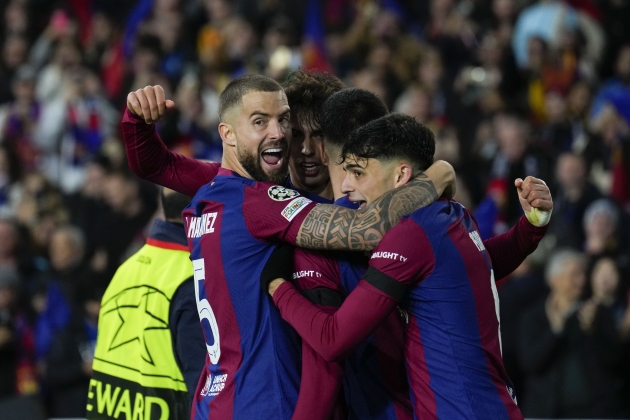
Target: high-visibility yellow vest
x,y
135,374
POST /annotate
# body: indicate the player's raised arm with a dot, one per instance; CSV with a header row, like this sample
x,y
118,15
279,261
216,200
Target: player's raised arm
x,y
510,249
334,227
148,156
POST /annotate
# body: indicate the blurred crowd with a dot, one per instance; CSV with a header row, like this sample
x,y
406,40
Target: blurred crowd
x,y
510,87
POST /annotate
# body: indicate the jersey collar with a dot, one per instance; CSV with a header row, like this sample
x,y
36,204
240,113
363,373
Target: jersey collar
x,y
168,235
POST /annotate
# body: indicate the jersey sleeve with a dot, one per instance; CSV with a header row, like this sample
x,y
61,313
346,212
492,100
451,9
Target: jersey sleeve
x,y
508,250
273,212
150,159
404,258
317,270
320,385
334,336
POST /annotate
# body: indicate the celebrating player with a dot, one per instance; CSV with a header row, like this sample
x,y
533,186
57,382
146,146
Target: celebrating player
x,y
374,377
252,368
436,267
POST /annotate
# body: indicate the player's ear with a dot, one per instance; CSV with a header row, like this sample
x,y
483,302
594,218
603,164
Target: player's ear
x,y
403,174
226,131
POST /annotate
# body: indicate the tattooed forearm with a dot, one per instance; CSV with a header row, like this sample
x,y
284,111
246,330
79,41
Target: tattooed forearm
x,y
334,227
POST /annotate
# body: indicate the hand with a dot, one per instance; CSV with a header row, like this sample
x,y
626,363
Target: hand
x,y
273,286
149,103
533,192
444,173
535,199
278,266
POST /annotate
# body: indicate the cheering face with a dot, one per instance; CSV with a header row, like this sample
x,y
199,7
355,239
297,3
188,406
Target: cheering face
x,y
368,179
262,131
308,171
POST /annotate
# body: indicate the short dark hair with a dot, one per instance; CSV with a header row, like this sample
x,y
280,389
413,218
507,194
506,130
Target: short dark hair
x,y
237,88
392,136
347,110
173,204
307,91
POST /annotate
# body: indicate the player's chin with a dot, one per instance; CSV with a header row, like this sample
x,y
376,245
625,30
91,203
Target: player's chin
x,y
313,182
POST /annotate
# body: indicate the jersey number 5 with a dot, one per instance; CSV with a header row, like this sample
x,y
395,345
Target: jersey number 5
x,y
206,315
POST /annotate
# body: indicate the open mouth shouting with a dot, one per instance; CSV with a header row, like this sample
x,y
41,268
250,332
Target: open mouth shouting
x,y
273,157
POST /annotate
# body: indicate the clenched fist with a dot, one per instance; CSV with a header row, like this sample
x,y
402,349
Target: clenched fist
x,y
533,192
535,199
149,103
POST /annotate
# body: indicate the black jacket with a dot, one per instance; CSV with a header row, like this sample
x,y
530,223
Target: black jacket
x,y
572,374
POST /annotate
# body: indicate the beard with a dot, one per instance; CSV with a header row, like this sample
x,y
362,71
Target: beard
x,y
251,163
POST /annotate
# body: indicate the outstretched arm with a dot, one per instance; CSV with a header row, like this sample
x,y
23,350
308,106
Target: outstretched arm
x,y
148,156
334,227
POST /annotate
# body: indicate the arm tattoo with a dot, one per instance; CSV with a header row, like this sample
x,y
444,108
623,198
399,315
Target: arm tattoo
x,y
333,227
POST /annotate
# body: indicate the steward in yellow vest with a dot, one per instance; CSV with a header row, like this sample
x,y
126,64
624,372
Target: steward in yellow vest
x,y
150,349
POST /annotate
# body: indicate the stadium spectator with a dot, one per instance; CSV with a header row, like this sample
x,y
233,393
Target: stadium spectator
x,y
17,352
570,352
130,211
602,220
69,360
574,193
20,119
515,158
607,289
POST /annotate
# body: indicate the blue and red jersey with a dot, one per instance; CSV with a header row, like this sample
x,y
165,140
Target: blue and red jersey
x,y
452,346
374,380
435,266
253,364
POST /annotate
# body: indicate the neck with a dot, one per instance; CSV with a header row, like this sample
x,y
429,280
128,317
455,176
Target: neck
x,y
230,161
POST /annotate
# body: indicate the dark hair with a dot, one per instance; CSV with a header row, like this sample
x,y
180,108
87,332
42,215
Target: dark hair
x,y
392,136
347,110
307,91
237,88
173,204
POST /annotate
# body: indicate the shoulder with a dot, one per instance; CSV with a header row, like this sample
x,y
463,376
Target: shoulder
x,y
273,191
261,196
441,213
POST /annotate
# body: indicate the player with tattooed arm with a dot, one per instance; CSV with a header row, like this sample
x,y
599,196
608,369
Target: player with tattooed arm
x,y
436,268
252,370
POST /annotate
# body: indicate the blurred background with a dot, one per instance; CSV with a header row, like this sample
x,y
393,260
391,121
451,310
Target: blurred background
x,y
510,87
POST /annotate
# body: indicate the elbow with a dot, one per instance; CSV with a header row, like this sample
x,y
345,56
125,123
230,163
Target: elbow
x,y
136,169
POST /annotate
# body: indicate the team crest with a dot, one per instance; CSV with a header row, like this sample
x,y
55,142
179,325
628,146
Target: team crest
x,y
279,193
